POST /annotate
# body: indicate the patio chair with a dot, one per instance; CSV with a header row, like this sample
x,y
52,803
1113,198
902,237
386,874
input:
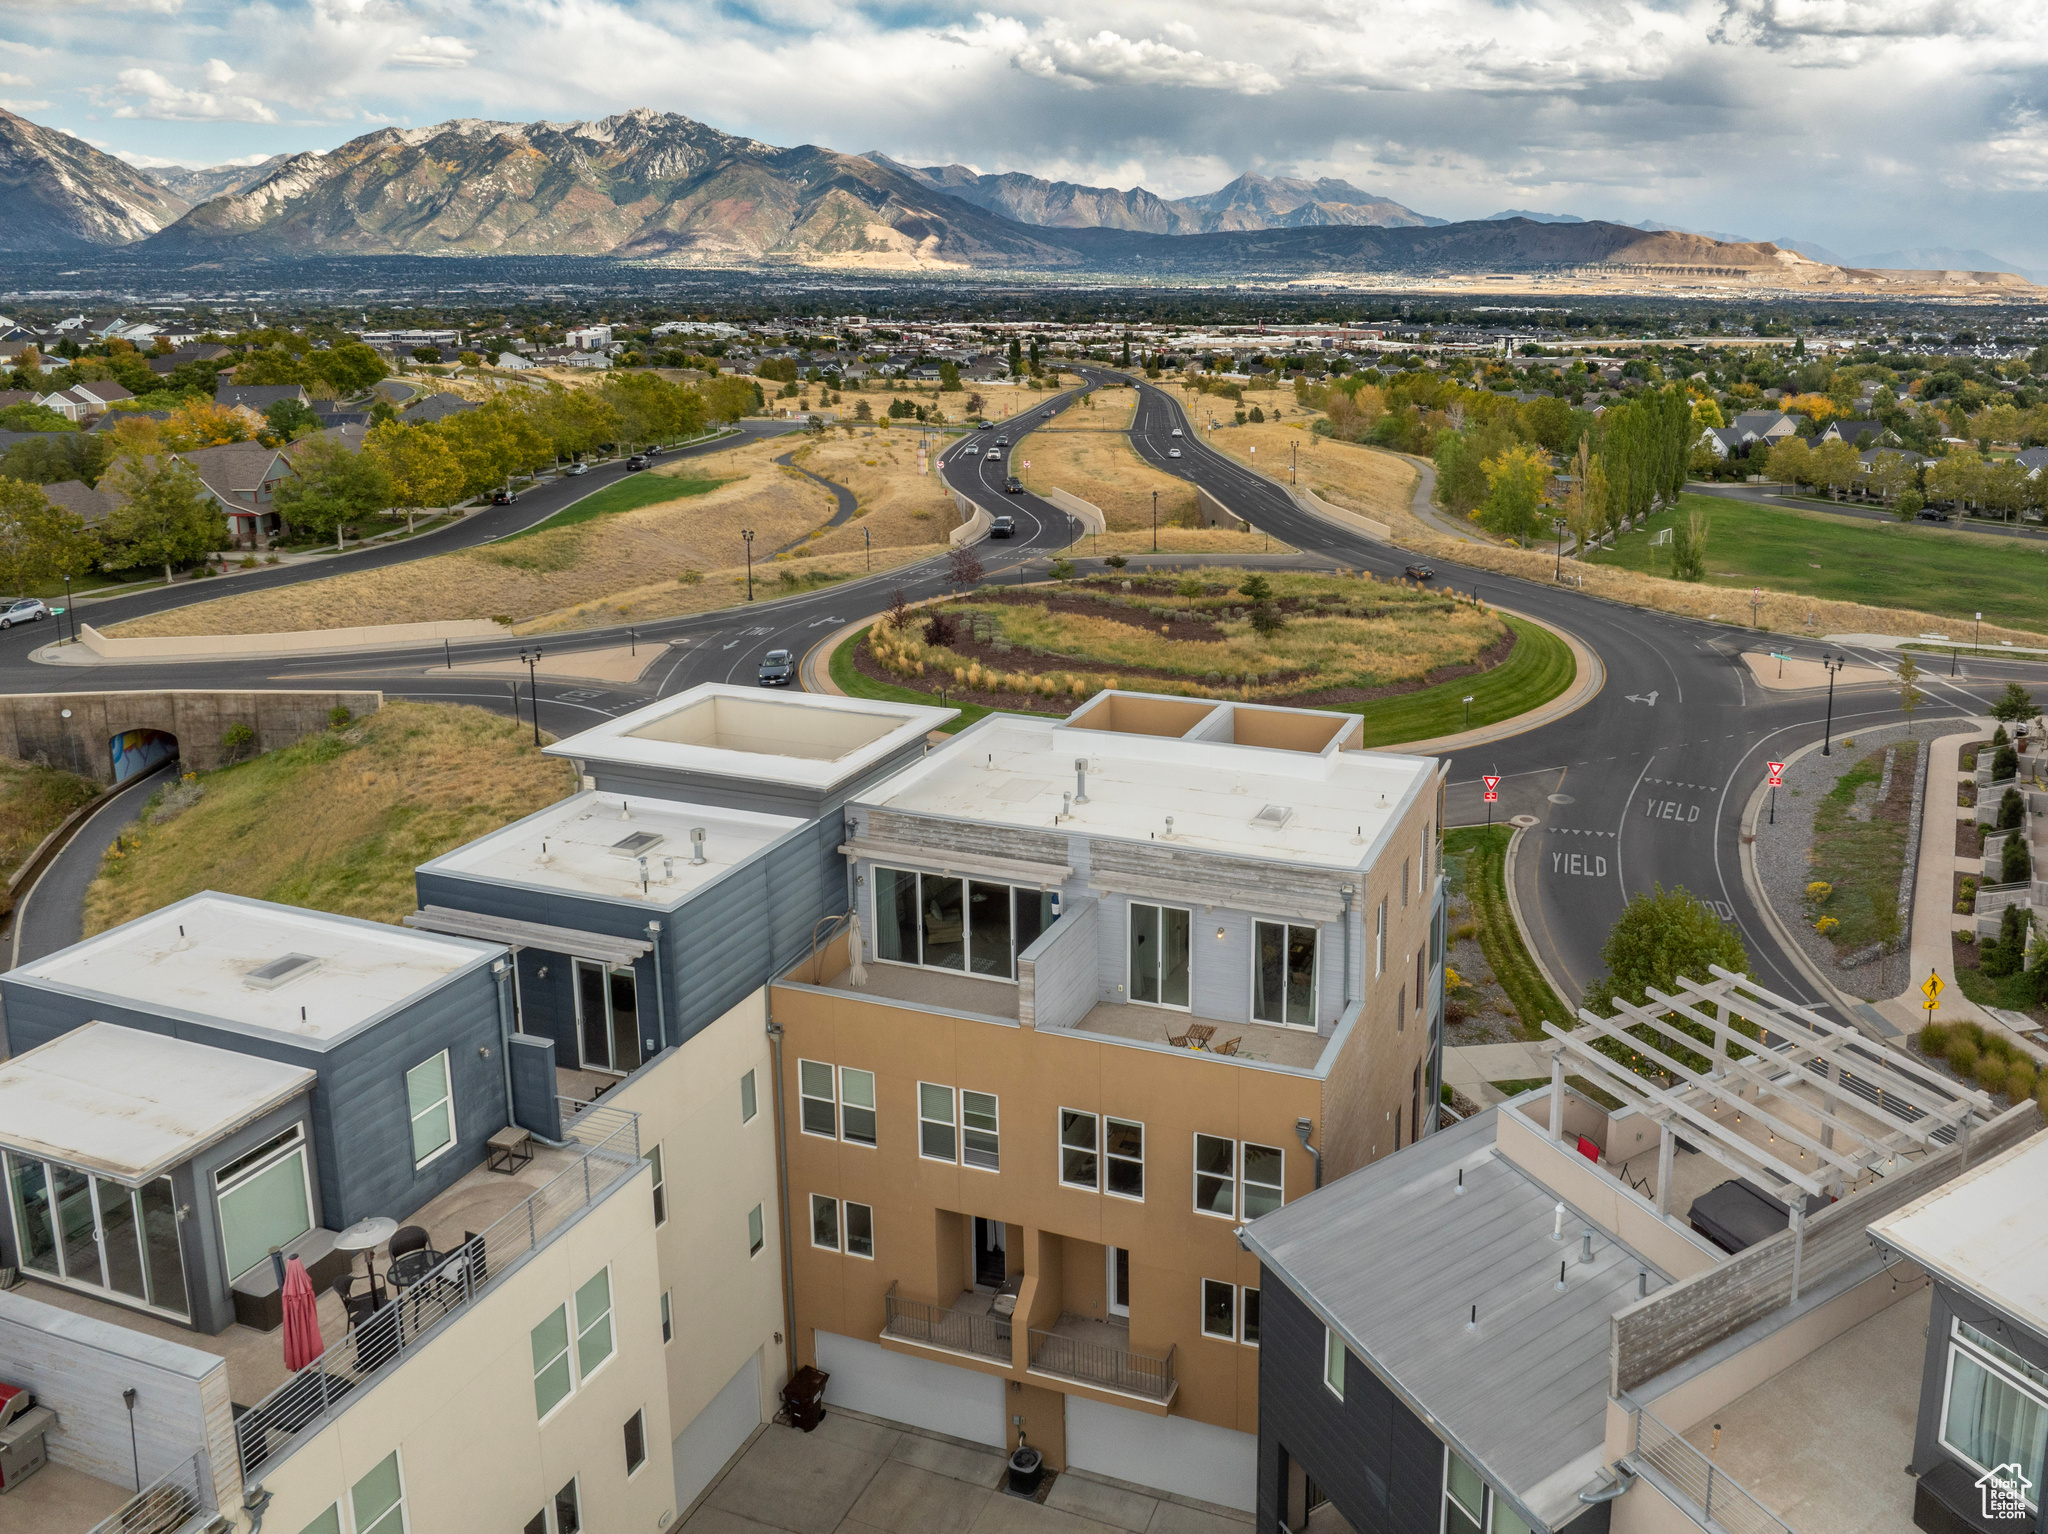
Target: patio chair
x,y
409,1238
360,1295
1177,1040
1229,1045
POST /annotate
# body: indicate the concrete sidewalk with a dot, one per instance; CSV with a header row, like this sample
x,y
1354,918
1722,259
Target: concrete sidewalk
x,y
1471,1069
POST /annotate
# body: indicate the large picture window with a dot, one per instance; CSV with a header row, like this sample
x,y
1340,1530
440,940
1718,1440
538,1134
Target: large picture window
x,y
115,1238
1997,1407
1124,1142
942,921
1284,974
1159,954
265,1200
431,1101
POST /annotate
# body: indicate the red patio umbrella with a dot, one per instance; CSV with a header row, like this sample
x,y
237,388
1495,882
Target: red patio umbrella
x,y
302,1342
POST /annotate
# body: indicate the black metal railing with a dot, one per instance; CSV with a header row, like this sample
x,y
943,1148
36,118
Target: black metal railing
x,y
1103,1365
956,1331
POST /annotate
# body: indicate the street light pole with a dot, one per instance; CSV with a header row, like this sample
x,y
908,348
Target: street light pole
x,y
1831,664
867,539
1155,521
748,534
1977,634
1557,526
532,659
67,610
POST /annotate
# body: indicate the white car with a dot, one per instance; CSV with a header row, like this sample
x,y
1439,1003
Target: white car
x,y
27,610
1176,431
1173,452
576,468
995,455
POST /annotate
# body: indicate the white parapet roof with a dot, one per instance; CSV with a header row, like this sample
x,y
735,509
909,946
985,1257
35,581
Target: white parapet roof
x,y
801,739
1317,806
131,1105
306,977
1986,1231
593,844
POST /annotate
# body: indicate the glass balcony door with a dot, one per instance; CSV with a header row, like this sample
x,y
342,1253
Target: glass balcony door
x,y
608,1017
94,1232
1159,955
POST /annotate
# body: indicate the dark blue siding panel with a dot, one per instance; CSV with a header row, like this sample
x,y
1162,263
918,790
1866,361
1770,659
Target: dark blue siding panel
x,y
535,1105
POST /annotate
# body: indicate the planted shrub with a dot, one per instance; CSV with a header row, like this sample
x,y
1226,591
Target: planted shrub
x,y
2014,863
2011,809
2006,764
1962,1056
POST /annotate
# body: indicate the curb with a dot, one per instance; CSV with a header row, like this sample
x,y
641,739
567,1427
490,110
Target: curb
x,y
1507,879
1591,678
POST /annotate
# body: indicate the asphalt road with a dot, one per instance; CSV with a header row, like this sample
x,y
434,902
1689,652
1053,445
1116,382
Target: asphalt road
x,y
1642,785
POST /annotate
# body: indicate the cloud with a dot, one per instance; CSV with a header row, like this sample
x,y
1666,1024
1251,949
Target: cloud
x,y
1110,58
15,105
162,99
434,53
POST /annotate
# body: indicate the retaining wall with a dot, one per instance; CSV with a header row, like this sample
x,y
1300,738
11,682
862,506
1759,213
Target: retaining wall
x,y
76,730
386,636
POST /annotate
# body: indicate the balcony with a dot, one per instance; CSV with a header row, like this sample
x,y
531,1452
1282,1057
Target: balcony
x,y
1098,1353
970,1327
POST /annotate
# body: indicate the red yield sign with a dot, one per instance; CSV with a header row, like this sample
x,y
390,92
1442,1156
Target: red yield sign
x,y
1777,773
1492,787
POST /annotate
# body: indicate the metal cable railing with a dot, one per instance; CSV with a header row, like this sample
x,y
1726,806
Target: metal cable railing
x,y
1716,1500
169,1502
610,1141
1111,1368
957,1331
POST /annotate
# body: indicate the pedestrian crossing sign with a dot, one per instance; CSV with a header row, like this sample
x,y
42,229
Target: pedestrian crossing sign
x,y
1932,990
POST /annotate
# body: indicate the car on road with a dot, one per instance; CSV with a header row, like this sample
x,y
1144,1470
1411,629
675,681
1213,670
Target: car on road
x,y
577,468
1047,414
1931,514
1002,442
984,425
1173,452
1013,486
995,454
27,610
778,668
1176,431
637,461
502,497
1001,527
1421,572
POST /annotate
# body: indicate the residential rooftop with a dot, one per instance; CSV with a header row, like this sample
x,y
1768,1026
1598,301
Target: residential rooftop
x,y
1984,1232
305,977
803,740
1279,785
131,1105
596,843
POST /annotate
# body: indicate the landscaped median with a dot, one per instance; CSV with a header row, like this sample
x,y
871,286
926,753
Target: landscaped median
x,y
1403,658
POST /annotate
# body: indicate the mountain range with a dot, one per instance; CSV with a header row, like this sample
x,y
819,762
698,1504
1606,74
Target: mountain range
x,y
657,186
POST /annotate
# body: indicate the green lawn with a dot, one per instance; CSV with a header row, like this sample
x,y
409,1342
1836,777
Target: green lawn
x,y
629,494
1540,668
1884,564
1477,856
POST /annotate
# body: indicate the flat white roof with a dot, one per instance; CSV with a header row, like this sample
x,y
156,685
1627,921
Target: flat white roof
x,y
1986,1231
231,960
130,1104
800,739
1323,809
591,844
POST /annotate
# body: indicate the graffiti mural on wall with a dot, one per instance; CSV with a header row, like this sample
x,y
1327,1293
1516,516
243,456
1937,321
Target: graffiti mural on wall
x,y
138,751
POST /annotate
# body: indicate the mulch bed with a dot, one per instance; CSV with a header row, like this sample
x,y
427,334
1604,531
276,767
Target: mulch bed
x,y
1969,839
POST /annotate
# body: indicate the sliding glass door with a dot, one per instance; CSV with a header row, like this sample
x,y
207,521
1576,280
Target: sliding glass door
x,y
608,1017
1159,954
95,1232
942,921
1284,974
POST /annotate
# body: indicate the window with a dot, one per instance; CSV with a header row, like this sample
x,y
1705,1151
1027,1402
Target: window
x,y
1124,1140
1216,1176
1248,1317
1219,1310
819,1109
568,1510
1401,1009
979,1141
594,1323
824,1222
937,1137
860,1230
1264,1179
1284,974
1419,986
1464,1496
748,1107
1996,1412
552,1380
636,1442
757,1235
856,1105
660,1191
378,1499
1379,952
265,1200
1079,1165
942,921
537,1524
1333,1363
1159,954
329,1521
668,1325
428,1095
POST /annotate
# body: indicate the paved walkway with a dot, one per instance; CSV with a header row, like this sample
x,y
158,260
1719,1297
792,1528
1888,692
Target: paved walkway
x,y
1470,1069
860,1475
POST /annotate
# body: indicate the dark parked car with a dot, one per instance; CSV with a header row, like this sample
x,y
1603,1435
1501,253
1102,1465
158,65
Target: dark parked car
x,y
1420,572
637,461
502,497
1013,486
1001,527
778,668
1931,514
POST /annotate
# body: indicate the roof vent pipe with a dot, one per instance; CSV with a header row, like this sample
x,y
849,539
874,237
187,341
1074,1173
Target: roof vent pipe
x,y
625,809
1080,780
696,845
1557,1222
1586,1245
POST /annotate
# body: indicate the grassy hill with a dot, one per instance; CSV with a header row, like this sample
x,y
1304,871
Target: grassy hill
x,y
334,823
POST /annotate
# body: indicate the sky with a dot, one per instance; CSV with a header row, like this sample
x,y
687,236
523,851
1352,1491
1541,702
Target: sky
x,y
1865,126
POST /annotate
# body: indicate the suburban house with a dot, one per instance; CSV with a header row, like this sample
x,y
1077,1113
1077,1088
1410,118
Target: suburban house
x,y
91,505
1664,1303
2033,460
437,407
177,357
1857,434
250,401
1768,425
84,402
242,477
1113,985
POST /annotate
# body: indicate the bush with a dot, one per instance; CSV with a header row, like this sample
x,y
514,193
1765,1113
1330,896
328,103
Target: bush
x,y
2020,1081
1933,1040
1116,561
1961,1056
2006,764
1991,1073
2011,809
236,740
2014,864
338,717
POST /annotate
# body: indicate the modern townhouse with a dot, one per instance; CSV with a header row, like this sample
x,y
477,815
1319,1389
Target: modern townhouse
x,y
1114,985
1693,1297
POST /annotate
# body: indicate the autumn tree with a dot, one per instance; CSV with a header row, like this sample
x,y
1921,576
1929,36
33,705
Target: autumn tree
x,y
166,517
332,487
39,542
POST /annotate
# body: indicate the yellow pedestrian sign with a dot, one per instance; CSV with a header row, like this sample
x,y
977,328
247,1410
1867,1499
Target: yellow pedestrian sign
x,y
1932,990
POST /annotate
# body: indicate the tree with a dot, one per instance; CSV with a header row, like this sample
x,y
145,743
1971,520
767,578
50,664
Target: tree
x,y
418,465
2016,706
288,418
201,423
1891,475
426,354
974,405
1689,546
1187,589
780,369
730,397
1660,937
1790,462
1910,696
1959,477
331,487
949,377
1515,481
38,541
1834,465
80,455
167,517
963,569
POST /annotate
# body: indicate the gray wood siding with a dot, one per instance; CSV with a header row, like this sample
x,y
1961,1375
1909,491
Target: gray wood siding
x,y
970,837
1056,974
1147,868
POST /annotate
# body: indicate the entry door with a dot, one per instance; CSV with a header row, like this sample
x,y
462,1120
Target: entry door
x,y
1159,954
608,1017
991,1257
1118,1281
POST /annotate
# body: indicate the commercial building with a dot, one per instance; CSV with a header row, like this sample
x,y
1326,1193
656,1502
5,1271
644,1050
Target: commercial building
x,y
1115,984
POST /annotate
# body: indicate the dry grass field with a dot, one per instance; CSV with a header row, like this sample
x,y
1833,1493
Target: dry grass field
x,y
1363,479
1093,459
899,507
721,588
